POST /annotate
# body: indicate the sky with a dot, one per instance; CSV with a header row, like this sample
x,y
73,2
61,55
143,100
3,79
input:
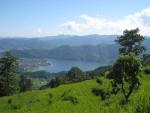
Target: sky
x,y
36,18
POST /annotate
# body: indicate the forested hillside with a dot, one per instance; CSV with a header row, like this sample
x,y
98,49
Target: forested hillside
x,y
84,53
86,48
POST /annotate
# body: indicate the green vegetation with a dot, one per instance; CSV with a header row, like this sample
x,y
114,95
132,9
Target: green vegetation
x,y
103,90
131,42
87,102
75,74
126,72
25,83
147,70
8,81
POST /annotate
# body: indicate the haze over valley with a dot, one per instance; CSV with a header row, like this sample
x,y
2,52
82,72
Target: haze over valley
x,y
63,52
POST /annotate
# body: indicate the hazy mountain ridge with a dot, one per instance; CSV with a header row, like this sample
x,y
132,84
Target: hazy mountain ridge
x,y
84,53
51,42
64,47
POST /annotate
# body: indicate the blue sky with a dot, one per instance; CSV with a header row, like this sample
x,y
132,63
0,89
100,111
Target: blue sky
x,y
29,18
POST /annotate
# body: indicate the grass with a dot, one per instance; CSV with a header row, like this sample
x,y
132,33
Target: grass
x,y
77,98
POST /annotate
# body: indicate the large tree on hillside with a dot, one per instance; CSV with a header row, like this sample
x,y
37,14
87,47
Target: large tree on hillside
x,y
126,73
131,42
8,83
126,70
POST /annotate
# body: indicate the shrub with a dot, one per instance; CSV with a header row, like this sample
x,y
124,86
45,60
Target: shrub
x,y
72,99
13,104
104,94
96,91
147,70
66,97
75,74
9,101
99,81
101,92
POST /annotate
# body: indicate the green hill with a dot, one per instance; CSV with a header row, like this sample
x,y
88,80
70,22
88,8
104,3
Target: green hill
x,y
77,98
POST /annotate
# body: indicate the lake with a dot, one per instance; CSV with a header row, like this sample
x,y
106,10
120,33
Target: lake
x,y
64,65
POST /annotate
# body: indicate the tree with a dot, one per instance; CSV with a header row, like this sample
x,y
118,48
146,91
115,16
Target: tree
x,y
131,42
126,73
74,74
54,82
8,66
25,84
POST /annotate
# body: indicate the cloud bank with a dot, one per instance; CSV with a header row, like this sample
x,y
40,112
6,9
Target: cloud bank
x,y
102,25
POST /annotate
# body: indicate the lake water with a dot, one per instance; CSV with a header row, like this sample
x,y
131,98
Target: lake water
x,y
64,65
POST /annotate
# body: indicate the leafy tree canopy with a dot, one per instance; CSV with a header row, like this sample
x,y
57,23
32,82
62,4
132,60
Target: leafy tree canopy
x,y
126,73
131,42
8,66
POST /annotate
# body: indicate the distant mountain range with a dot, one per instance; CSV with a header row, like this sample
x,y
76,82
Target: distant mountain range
x,y
98,48
97,53
51,42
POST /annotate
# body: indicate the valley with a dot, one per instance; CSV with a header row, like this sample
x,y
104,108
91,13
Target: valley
x,y
74,56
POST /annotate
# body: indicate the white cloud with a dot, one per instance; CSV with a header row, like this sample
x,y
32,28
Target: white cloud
x,y
74,26
104,26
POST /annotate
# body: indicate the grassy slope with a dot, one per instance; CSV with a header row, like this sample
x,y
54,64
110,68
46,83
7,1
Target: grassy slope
x,y
37,101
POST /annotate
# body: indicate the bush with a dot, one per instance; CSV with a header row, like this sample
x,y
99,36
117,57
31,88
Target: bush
x,y
147,70
15,106
55,82
101,92
96,91
66,97
75,74
99,81
71,99
9,101
104,94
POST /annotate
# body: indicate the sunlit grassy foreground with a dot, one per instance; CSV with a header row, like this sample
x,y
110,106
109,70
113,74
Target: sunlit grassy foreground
x,y
84,101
